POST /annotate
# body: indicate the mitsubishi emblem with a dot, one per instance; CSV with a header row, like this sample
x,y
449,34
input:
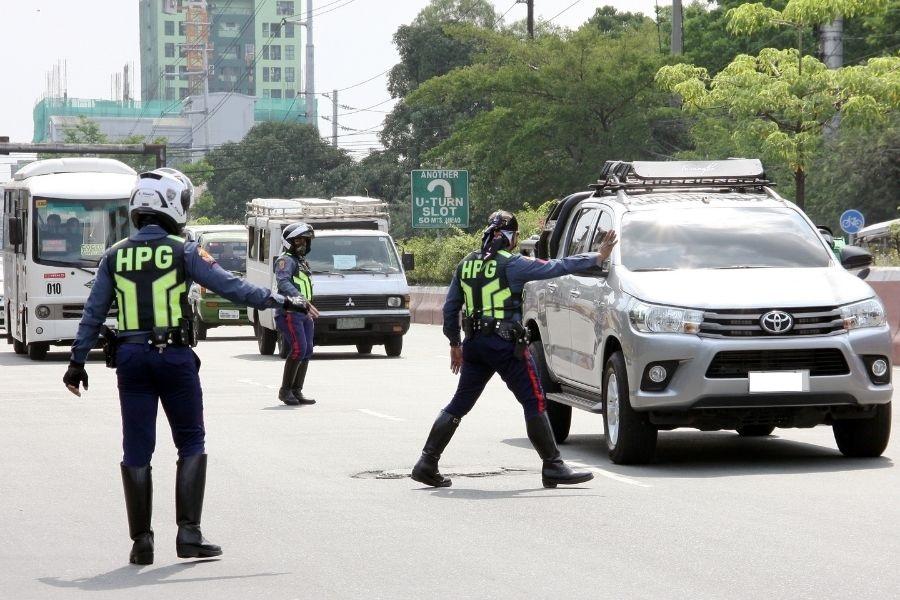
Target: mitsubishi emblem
x,y
350,302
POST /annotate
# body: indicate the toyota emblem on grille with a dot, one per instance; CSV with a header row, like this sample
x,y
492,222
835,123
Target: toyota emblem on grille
x,y
776,322
350,302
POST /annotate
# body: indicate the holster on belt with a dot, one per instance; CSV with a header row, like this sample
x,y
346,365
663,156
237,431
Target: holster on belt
x,y
110,345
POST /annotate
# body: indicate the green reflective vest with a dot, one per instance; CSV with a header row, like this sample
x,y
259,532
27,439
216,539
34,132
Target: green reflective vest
x,y
150,283
301,280
485,287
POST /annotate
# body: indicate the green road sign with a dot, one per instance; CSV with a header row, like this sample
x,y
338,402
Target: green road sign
x,y
440,198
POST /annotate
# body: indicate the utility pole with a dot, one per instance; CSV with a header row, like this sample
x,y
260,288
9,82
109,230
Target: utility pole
x,y
312,116
677,28
530,19
831,44
334,118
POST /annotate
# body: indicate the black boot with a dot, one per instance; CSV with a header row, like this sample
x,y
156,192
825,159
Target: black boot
x,y
297,386
138,485
190,482
287,381
555,471
426,469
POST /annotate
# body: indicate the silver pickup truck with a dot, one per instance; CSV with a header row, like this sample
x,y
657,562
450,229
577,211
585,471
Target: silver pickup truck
x,y
722,307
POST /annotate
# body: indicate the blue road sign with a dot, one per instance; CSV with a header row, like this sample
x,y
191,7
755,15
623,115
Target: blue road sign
x,y
852,221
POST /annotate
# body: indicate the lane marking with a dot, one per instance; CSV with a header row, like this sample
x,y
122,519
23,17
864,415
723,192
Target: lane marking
x,y
609,474
372,413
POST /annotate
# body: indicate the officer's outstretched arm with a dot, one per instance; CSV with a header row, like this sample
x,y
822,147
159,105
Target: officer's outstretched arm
x,y
202,268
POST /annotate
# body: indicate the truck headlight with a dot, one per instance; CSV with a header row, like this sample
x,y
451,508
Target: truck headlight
x,y
42,311
868,313
395,301
653,318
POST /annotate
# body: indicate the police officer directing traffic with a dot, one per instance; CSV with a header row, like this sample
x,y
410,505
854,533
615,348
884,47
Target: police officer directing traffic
x,y
487,286
149,275
294,279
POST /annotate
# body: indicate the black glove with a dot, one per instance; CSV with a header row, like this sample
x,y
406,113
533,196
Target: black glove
x,y
296,304
75,376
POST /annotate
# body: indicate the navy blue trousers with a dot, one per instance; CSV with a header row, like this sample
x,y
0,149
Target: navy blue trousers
x,y
147,378
485,355
297,330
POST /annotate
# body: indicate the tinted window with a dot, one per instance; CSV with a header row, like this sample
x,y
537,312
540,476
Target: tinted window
x,y
719,238
229,253
581,230
604,224
252,237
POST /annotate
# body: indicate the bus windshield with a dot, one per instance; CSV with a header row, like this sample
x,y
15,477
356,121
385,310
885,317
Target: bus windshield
x,y
353,254
77,232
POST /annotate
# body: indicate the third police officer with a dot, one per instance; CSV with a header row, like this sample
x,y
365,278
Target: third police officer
x,y
149,275
487,286
294,280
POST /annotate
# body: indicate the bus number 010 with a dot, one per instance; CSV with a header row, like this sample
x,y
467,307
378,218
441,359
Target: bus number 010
x,y
54,288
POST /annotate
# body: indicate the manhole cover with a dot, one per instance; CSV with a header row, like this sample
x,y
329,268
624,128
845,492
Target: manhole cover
x,y
450,472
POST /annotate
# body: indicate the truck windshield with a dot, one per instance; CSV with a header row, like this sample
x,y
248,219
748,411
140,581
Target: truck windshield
x,y
353,254
77,232
231,254
719,238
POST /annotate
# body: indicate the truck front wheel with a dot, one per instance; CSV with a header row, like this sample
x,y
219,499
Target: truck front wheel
x,y
864,438
630,437
266,339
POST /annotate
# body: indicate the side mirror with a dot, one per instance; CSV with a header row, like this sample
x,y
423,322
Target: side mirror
x,y
854,257
15,231
827,235
409,261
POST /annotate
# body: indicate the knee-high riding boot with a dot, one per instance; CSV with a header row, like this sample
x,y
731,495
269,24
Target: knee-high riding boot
x,y
287,381
297,386
426,469
555,471
190,483
138,485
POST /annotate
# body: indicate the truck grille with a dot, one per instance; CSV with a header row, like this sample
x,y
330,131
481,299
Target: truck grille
x,y
746,322
329,303
735,364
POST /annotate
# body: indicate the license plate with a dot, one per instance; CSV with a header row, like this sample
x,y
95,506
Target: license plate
x,y
768,382
351,323
230,314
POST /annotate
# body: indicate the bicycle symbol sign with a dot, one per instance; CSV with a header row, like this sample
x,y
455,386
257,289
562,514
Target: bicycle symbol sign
x,y
852,221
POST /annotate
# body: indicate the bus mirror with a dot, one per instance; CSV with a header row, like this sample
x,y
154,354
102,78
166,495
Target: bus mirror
x,y
409,261
15,231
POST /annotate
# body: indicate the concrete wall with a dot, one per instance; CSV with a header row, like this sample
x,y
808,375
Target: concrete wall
x,y
426,302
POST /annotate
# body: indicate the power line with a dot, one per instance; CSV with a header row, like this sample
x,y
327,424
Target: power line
x,y
508,9
563,11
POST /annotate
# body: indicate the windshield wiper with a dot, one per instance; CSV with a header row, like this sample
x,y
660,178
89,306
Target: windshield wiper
x,y
328,273
650,269
744,267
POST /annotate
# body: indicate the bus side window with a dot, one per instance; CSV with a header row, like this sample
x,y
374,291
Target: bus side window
x,y
251,241
264,245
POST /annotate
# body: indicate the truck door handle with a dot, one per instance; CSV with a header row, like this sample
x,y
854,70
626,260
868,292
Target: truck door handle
x,y
552,286
575,293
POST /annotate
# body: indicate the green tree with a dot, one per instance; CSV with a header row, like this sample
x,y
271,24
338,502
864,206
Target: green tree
x,y
274,160
779,101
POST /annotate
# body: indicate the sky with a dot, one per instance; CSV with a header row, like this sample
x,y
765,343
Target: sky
x,y
96,38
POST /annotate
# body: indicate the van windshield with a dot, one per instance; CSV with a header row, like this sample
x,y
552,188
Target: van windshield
x,y
353,254
77,232
231,254
719,238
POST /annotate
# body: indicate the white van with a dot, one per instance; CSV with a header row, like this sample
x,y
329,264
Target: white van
x,y
359,281
59,217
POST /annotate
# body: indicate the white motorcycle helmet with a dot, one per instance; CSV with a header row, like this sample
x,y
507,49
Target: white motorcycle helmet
x,y
165,193
297,230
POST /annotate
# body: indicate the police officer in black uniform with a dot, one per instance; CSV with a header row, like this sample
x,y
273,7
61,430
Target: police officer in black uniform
x,y
488,287
149,275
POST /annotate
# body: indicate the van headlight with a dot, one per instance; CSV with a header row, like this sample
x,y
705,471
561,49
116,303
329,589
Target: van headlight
x,y
395,301
653,318
868,313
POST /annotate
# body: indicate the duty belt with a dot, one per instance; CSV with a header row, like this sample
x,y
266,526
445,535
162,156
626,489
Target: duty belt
x,y
508,330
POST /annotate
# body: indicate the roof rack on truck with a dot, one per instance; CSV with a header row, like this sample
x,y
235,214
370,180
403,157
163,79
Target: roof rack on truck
x,y
343,212
736,173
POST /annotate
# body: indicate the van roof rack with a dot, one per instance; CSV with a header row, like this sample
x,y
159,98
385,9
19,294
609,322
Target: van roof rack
x,y
317,208
646,175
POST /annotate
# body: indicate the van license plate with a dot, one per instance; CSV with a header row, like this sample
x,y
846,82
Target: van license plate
x,y
773,382
351,323
230,315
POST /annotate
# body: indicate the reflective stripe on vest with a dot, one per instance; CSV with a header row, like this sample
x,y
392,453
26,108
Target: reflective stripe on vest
x,y
485,287
150,283
302,280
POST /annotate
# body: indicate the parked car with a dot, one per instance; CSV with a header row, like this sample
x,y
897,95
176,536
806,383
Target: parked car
x,y
209,310
722,307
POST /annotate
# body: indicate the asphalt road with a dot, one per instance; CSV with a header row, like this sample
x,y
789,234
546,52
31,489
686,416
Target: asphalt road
x,y
311,502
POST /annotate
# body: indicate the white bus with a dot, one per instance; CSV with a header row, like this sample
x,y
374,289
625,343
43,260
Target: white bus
x,y
59,217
